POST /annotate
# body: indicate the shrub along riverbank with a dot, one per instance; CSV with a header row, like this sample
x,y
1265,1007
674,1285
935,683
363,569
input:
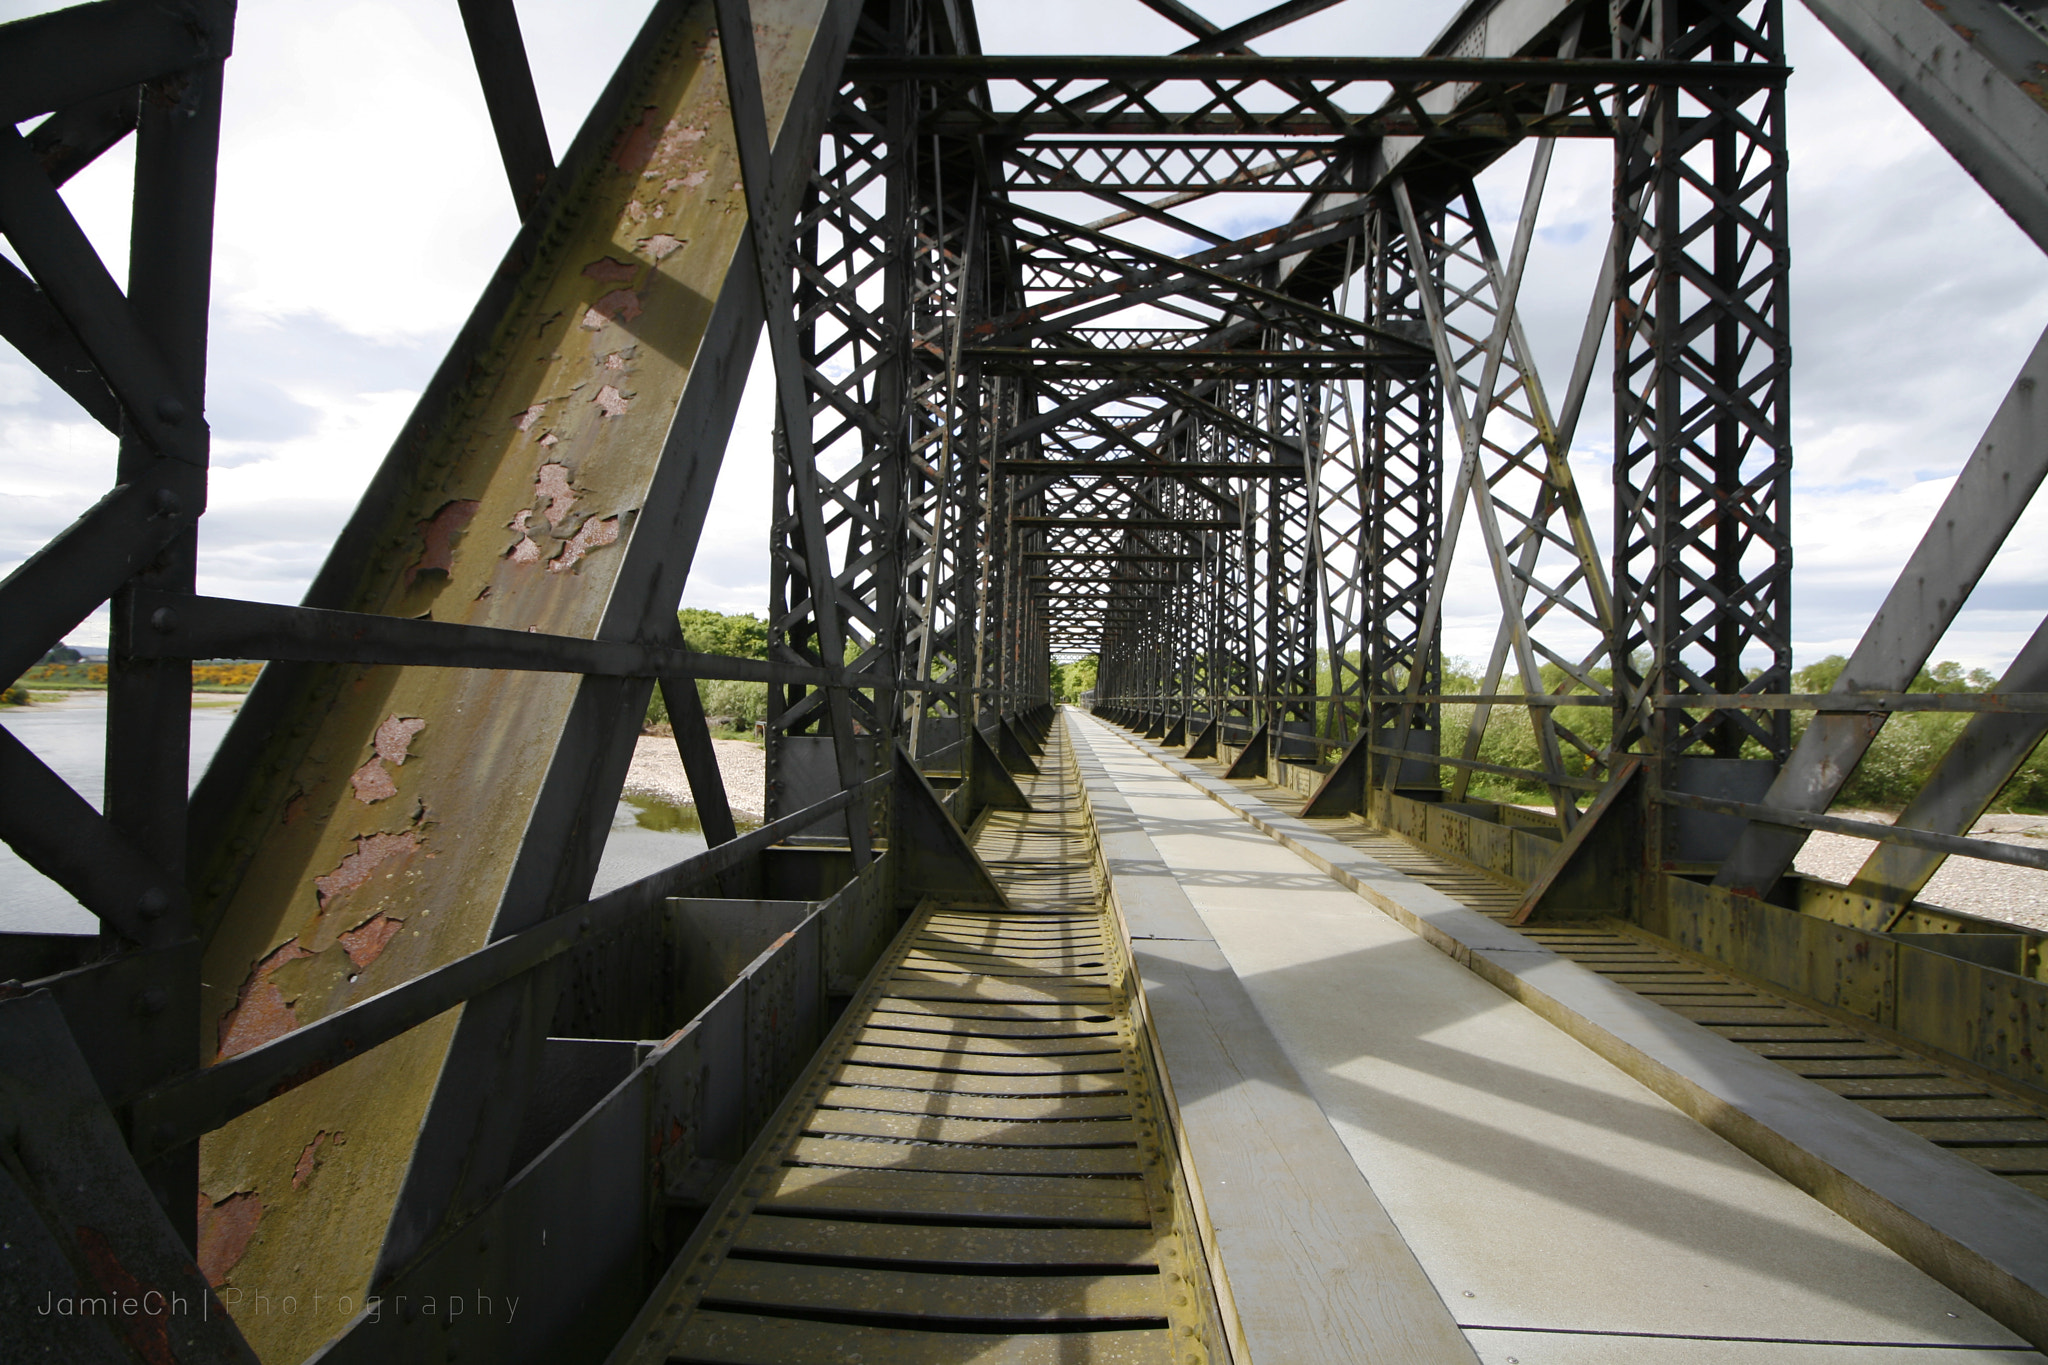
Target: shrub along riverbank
x,y
1896,766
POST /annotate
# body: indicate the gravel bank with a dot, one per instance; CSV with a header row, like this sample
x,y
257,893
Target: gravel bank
x,y
2018,895
657,771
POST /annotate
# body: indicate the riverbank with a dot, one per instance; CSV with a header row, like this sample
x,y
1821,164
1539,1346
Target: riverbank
x,y
657,771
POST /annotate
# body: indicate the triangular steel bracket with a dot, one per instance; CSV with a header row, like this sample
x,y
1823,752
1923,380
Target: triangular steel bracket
x,y
1016,754
931,853
1253,761
990,785
1343,790
1601,867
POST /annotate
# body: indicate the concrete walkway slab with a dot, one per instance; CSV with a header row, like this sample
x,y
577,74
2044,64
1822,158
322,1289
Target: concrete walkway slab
x,y
1539,1186
1573,1348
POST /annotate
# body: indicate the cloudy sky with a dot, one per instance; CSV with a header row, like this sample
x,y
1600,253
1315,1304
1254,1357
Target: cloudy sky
x,y
362,206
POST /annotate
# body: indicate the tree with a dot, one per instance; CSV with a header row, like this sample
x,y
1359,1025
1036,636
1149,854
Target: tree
x,y
736,635
739,635
1070,680
1819,677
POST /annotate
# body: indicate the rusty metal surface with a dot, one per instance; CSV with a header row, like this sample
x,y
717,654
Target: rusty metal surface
x,y
393,803
974,1168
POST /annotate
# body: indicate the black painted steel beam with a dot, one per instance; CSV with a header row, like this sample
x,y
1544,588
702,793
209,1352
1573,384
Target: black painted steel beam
x,y
1046,70
73,138
173,626
56,60
1144,468
500,54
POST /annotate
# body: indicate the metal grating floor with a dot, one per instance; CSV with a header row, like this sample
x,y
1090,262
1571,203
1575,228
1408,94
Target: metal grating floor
x,y
976,1168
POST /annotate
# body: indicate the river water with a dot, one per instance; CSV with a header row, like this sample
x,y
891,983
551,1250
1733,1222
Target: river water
x,y
71,736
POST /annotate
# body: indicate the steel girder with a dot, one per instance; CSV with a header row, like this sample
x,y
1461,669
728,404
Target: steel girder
x,y
1402,526
1703,459
1515,473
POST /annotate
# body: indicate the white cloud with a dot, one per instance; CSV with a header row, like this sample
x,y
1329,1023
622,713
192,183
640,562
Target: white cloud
x,y
362,207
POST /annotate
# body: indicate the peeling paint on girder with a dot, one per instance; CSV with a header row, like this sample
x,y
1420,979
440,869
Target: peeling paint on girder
x,y
661,246
309,1160
365,943
588,537
611,270
542,466
372,852
437,537
225,1230
261,1011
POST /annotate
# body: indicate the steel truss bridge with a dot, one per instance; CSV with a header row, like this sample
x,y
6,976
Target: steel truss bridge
x,y
355,1025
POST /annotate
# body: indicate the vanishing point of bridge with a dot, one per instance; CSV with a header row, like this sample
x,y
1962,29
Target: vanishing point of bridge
x,y
1217,1020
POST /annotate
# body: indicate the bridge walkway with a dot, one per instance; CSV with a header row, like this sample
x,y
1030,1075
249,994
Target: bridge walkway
x,y
1987,1126
971,1170
1563,1211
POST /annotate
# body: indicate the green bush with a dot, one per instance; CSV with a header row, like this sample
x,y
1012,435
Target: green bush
x,y
745,702
737,635
1894,768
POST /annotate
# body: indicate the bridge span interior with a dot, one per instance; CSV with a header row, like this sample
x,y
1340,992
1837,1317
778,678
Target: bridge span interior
x,y
1242,1006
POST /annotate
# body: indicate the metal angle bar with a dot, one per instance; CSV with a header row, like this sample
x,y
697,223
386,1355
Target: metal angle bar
x,y
1964,783
76,136
1136,523
1173,274
2002,703
1559,494
1938,61
149,702
1472,480
1953,844
501,66
1459,127
1232,39
52,61
1110,555
1985,703
74,279
944,477
1983,505
1182,468
85,564
35,328
700,759
1117,363
1575,71
176,626
1264,22
750,131
1584,784
1130,208
58,833
1182,15
175,1113
1137,165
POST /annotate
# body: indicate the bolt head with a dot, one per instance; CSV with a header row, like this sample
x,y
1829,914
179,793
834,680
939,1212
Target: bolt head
x,y
165,503
153,1001
153,903
163,620
170,411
